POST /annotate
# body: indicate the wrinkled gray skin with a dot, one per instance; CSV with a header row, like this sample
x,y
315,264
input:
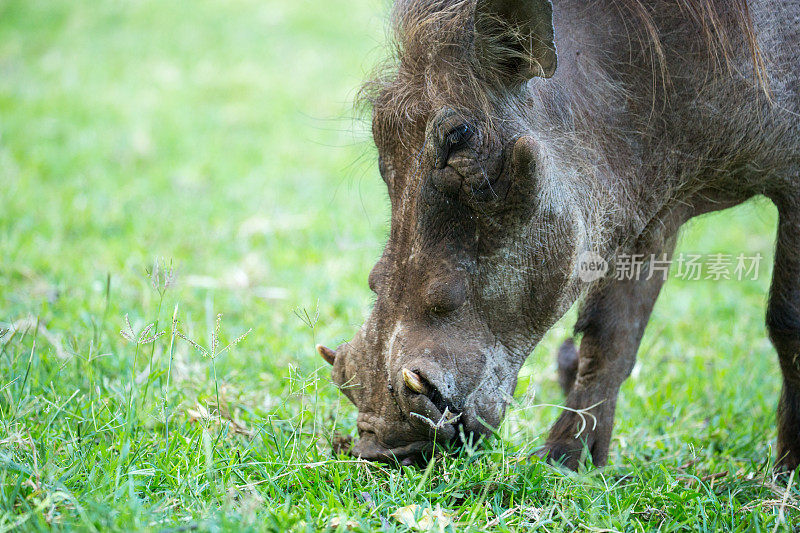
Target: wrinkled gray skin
x,y
485,234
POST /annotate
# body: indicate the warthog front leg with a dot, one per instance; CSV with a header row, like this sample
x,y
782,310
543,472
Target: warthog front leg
x,y
783,323
612,321
567,365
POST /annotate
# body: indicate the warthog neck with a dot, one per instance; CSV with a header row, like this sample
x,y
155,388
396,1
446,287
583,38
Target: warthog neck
x,y
642,130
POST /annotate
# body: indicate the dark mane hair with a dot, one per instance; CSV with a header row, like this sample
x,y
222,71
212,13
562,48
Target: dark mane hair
x,y
437,58
722,24
432,62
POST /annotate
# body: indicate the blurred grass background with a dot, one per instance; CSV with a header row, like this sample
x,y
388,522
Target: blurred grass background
x,y
220,137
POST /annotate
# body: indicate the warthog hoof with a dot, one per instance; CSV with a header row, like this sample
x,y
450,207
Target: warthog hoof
x,y
567,453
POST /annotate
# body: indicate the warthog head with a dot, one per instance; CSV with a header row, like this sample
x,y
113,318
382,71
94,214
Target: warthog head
x,y
483,241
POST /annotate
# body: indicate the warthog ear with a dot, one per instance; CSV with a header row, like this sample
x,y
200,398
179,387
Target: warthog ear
x,y
516,38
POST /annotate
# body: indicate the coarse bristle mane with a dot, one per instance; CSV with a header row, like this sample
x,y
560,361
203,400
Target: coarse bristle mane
x,y
439,59
432,63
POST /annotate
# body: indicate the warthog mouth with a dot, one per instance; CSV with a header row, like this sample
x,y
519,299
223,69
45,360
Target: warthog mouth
x,y
369,448
444,434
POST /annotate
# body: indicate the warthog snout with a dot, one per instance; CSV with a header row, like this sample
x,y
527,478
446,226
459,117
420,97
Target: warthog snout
x,y
431,418
413,402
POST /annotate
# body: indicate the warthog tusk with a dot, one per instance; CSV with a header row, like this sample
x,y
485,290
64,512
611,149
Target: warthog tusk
x,y
326,353
414,382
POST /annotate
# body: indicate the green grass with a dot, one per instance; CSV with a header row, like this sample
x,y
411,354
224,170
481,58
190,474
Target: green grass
x,y
220,137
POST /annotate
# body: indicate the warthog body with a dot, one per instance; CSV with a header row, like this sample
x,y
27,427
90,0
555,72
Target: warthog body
x,y
506,162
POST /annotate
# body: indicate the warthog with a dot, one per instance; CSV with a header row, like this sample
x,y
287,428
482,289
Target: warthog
x,y
516,136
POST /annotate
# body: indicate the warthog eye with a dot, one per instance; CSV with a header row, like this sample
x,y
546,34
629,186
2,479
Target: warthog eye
x,y
458,137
